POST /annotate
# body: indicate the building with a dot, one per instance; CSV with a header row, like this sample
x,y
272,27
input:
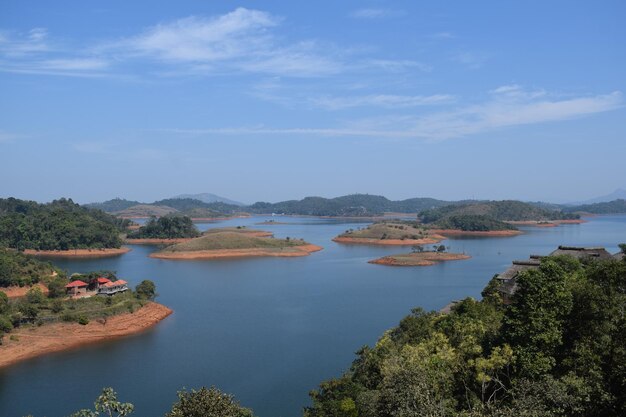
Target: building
x,y
100,281
582,253
76,287
113,287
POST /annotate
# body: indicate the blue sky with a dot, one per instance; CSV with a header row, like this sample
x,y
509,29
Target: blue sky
x,y
273,100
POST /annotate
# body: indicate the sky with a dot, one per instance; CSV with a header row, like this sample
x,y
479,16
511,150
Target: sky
x,y
277,100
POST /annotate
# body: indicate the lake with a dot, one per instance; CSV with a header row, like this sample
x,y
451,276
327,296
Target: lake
x,y
267,330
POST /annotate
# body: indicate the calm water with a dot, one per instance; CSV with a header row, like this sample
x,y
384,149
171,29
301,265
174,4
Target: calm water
x,y
266,330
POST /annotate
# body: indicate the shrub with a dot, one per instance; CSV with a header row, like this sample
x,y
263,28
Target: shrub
x,y
82,319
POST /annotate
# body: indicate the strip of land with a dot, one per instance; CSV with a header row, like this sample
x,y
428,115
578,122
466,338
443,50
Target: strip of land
x,y
16,292
79,253
292,251
430,239
419,258
151,241
551,223
486,233
27,343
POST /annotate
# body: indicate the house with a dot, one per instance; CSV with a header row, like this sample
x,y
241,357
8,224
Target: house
x,y
113,287
582,253
508,279
76,287
100,281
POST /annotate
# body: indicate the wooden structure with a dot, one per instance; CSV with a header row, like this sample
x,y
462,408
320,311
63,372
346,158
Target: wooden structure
x,y
113,287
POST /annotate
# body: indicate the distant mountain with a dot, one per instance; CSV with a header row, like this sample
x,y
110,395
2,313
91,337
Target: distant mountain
x,y
619,194
209,198
608,207
350,205
111,206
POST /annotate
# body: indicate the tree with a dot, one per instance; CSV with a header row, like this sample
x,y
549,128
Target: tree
x,y
108,405
418,249
622,247
207,403
35,296
146,289
56,287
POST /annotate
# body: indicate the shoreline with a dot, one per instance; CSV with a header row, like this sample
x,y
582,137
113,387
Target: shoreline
x,y
418,259
432,239
487,233
79,253
548,223
154,241
292,251
56,337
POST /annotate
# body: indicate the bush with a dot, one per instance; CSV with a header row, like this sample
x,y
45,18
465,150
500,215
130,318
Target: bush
x,y
5,324
82,319
146,290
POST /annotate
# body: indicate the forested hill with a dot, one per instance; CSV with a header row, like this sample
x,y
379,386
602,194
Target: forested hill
x,y
59,225
166,227
117,204
611,207
349,205
181,206
507,210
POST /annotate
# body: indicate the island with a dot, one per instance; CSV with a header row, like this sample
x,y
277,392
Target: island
x,y
420,258
166,230
394,233
60,229
42,310
236,243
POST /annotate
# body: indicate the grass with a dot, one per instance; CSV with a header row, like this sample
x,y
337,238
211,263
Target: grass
x,y
93,307
387,230
217,240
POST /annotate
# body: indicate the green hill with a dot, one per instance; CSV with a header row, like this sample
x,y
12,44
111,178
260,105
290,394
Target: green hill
x,y
166,227
111,206
611,207
59,225
507,210
218,240
19,269
350,205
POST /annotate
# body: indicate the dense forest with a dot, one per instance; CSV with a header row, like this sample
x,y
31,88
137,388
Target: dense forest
x,y
59,225
558,349
349,205
473,223
611,207
507,210
167,227
19,269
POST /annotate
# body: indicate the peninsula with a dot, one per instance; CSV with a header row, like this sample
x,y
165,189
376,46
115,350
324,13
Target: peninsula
x,y
390,233
236,243
166,230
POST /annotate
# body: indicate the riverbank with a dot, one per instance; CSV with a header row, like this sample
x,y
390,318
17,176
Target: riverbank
x,y
17,292
157,241
79,253
22,344
419,259
468,233
550,223
429,240
291,251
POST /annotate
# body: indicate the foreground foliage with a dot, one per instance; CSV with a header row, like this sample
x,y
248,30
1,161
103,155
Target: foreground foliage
x,y
559,349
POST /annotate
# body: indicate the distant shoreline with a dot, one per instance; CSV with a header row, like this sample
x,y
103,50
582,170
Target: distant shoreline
x,y
419,259
431,239
79,253
292,251
156,241
56,337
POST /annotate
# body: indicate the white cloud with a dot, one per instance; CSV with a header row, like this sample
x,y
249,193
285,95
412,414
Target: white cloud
x,y
375,13
495,113
381,100
6,137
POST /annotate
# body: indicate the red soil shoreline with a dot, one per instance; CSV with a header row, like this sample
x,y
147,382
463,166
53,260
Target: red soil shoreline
x,y
56,337
157,241
435,238
550,223
79,253
495,233
16,292
293,251
418,259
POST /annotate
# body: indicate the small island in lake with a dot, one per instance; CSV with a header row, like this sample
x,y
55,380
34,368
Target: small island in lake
x,y
236,243
42,310
167,230
420,257
390,233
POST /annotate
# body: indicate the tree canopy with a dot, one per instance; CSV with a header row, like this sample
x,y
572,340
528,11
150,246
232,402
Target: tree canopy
x,y
167,227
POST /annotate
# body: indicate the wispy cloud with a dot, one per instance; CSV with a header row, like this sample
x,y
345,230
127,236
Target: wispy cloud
x,y
505,107
375,13
6,137
381,100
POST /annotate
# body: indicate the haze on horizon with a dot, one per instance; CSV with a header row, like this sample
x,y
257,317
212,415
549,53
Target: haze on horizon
x,y
279,100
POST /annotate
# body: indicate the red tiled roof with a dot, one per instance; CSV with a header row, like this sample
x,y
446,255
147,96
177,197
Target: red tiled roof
x,y
77,283
117,283
103,280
